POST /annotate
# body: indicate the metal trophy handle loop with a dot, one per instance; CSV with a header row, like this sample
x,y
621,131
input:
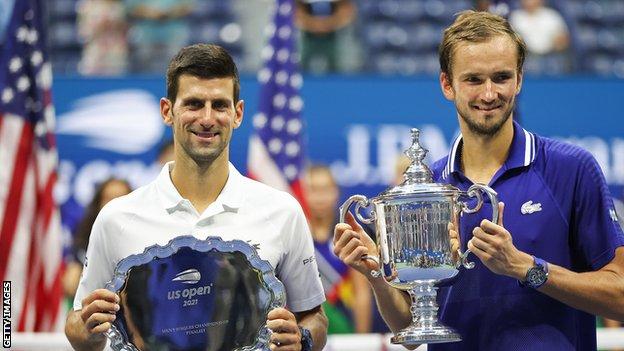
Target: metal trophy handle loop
x,y
475,191
360,202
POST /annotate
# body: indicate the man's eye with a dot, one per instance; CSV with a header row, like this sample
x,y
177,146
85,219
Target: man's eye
x,y
195,104
501,78
473,80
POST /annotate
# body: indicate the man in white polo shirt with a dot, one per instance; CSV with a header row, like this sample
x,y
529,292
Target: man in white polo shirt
x,y
200,193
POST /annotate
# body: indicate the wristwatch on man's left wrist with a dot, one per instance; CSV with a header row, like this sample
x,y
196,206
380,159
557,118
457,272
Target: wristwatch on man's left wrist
x,y
306,339
537,275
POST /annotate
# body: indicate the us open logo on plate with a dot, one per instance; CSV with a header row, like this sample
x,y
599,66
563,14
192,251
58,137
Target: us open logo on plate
x,y
189,276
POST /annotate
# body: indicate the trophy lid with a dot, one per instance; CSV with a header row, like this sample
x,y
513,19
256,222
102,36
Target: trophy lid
x,y
417,178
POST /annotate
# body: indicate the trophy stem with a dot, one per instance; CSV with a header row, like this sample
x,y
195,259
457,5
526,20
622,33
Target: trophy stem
x,y
424,305
425,327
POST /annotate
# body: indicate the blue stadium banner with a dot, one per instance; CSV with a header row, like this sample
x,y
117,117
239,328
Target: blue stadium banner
x,y
357,125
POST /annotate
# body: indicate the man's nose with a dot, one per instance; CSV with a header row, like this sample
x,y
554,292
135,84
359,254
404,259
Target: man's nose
x,y
489,94
206,114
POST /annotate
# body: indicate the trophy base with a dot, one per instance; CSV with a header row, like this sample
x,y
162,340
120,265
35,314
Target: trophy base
x,y
416,336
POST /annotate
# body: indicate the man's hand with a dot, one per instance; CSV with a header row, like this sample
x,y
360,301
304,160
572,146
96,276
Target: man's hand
x,y
454,241
493,245
85,328
286,335
351,243
98,312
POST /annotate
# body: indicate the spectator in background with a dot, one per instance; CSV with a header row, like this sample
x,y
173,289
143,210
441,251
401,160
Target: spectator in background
x,y
497,7
159,28
400,166
323,25
349,302
166,152
102,26
106,191
542,28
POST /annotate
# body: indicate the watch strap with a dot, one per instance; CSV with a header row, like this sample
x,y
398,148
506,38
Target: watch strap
x,y
306,339
538,263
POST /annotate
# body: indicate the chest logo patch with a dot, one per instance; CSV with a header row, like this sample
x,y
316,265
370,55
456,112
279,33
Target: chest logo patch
x,y
530,207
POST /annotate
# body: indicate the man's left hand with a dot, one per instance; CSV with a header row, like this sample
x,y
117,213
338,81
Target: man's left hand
x,y
286,335
493,245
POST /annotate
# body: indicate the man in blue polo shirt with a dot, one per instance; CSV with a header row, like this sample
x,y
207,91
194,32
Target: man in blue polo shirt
x,y
556,257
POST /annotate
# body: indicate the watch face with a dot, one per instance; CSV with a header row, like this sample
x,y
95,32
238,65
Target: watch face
x,y
536,276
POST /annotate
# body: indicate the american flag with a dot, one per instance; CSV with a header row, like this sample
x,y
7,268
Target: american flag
x,y
30,232
276,152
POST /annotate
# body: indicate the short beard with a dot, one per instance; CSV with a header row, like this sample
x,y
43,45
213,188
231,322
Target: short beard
x,y
485,130
202,160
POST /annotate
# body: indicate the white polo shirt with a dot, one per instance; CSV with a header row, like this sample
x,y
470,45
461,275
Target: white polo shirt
x,y
269,219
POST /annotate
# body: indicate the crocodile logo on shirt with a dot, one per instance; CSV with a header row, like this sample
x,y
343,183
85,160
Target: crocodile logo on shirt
x,y
529,207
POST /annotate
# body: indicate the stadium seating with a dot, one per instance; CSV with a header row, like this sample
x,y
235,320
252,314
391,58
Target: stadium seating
x,y
399,36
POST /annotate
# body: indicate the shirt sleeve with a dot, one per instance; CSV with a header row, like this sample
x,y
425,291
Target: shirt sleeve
x,y
97,269
299,271
597,232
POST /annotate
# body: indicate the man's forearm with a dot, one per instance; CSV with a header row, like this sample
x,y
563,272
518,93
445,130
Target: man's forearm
x,y
393,304
316,322
600,292
78,337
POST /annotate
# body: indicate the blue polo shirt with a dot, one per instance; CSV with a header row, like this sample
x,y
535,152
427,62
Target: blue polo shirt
x,y
558,208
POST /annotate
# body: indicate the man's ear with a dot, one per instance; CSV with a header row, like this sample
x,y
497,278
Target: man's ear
x,y
239,109
447,86
519,84
166,108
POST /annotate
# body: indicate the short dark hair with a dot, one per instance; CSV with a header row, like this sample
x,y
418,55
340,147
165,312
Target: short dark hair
x,y
204,61
476,27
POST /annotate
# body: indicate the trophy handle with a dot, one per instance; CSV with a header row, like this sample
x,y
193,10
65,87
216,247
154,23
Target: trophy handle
x,y
361,201
475,191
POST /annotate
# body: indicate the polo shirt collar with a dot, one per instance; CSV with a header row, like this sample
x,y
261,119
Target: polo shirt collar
x,y
521,153
230,198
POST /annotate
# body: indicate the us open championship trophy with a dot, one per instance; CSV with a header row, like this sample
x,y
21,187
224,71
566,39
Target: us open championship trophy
x,y
194,294
412,236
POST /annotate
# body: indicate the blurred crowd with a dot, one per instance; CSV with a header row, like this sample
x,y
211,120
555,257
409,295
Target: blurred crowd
x,y
398,37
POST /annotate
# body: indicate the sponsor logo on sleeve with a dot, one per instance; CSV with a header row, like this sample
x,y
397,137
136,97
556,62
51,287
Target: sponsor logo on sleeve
x,y
309,260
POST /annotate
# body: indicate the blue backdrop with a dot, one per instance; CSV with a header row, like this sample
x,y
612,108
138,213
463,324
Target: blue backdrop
x,y
357,125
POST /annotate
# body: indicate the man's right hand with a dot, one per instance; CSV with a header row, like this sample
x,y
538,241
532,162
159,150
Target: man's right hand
x,y
98,312
85,328
351,243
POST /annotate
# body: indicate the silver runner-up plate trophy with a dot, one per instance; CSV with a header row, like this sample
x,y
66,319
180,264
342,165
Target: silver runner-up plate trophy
x,y
192,294
413,239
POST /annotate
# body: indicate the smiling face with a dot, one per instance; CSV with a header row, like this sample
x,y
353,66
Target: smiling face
x,y
203,117
485,81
